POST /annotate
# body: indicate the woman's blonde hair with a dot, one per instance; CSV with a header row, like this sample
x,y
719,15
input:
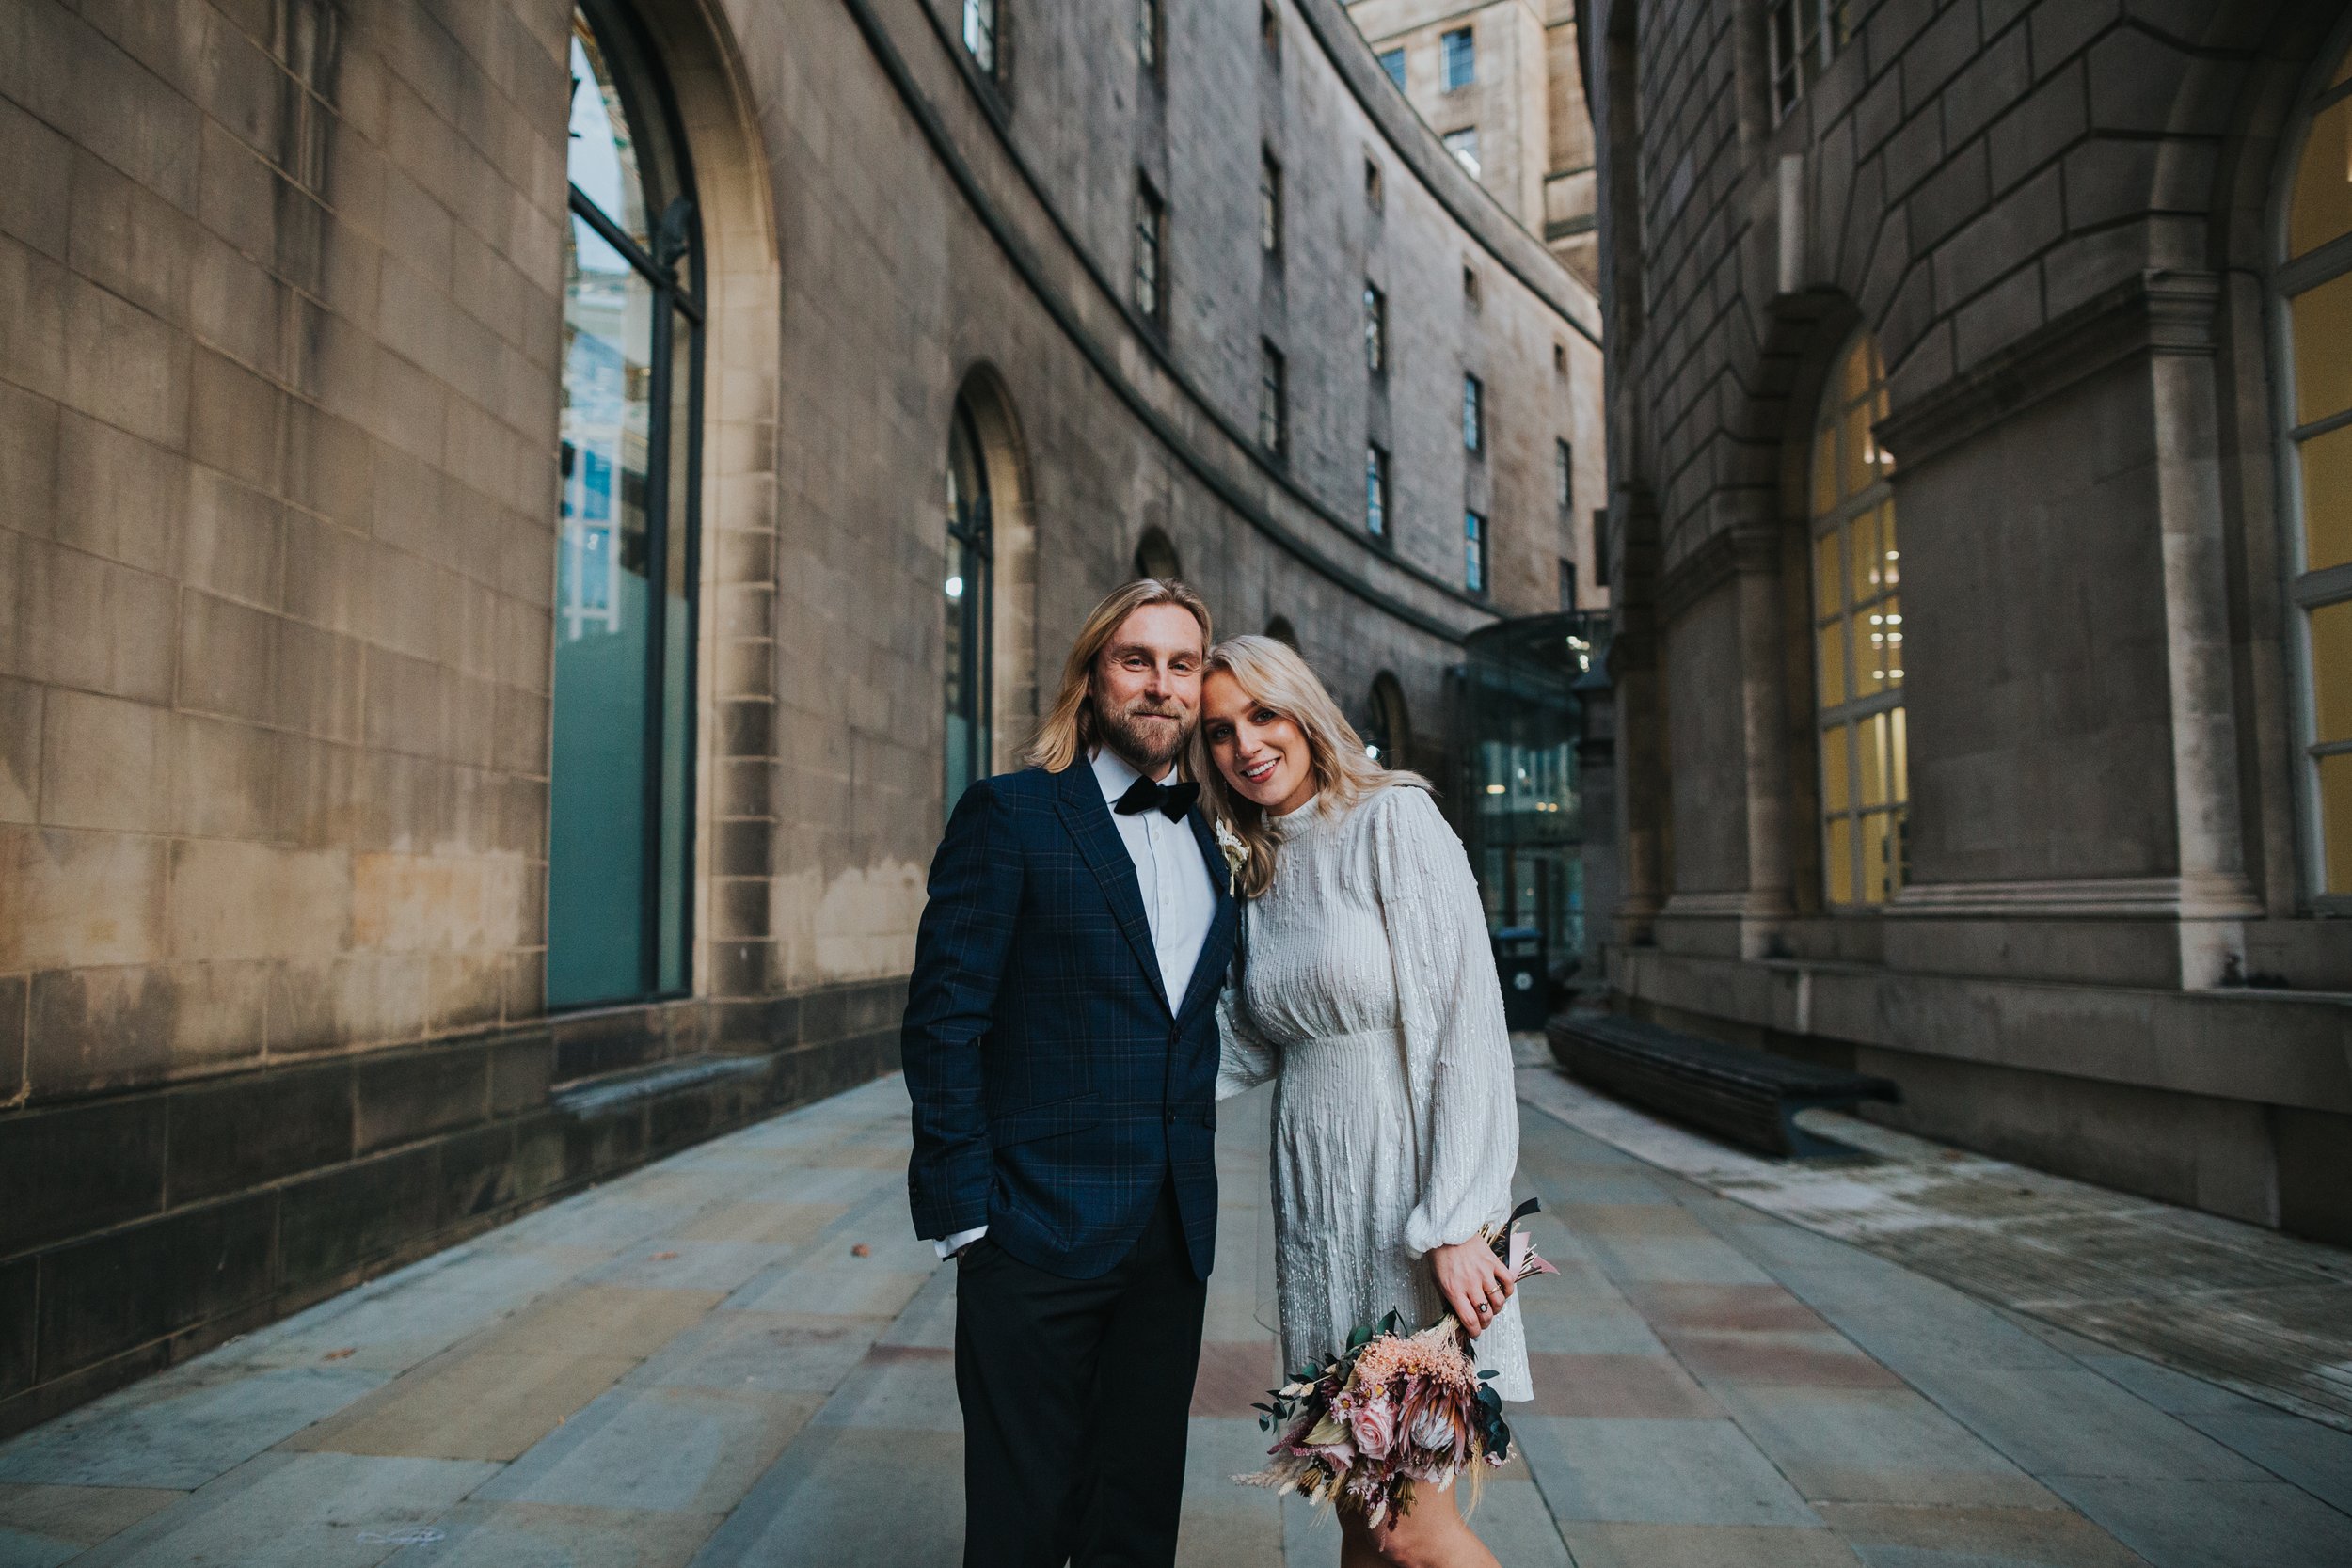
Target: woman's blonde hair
x,y
1272,675
1067,730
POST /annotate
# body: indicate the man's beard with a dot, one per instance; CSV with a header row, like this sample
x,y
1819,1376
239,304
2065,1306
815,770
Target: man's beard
x,y
1155,745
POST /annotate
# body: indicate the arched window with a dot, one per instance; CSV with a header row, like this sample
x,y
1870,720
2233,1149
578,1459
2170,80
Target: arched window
x,y
620,852
2314,279
968,622
1155,556
1857,637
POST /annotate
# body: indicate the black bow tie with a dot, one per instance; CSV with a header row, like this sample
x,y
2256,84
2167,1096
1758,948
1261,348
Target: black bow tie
x,y
1170,800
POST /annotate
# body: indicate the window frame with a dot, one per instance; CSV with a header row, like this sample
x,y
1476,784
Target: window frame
x,y
1477,530
677,292
1273,401
1454,144
1151,38
976,604
1564,458
1269,203
1377,507
1149,280
1473,414
1396,72
1375,329
1449,55
983,32
1852,712
2307,592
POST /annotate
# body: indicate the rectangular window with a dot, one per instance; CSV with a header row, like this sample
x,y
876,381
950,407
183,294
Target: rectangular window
x,y
979,33
1269,202
1372,185
1273,416
1801,37
1473,413
1564,460
1460,53
1376,331
1375,492
1600,546
1392,61
1568,583
1150,235
1463,144
1469,287
1474,552
1148,35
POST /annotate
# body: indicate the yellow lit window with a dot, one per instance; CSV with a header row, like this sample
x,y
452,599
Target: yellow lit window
x,y
1858,639
2314,281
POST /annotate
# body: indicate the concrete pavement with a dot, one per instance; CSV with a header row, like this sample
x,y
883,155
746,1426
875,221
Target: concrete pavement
x,y
739,1357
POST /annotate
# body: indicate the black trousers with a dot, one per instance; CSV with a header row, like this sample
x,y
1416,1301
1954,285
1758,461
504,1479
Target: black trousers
x,y
1075,1397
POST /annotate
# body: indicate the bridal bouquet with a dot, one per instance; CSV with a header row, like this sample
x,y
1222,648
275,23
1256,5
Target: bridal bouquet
x,y
1394,1410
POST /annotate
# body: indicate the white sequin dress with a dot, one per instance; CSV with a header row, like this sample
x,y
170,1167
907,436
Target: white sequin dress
x,y
1365,988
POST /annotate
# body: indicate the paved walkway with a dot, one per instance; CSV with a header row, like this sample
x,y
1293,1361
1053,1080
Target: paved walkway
x,y
739,1357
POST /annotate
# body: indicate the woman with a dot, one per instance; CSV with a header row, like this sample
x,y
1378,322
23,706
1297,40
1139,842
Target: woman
x,y
1364,988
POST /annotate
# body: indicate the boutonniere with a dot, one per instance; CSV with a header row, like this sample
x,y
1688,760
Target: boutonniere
x,y
1236,855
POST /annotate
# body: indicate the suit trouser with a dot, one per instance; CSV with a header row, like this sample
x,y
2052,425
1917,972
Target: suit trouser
x,y
1076,1394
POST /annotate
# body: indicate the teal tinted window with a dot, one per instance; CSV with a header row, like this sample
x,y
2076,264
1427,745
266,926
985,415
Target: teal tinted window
x,y
622,753
967,594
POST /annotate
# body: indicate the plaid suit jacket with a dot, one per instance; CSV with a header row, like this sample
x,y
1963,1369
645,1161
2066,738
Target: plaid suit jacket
x,y
1056,1087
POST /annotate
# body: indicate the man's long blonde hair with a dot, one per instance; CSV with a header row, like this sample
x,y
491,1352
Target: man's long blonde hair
x,y
1272,676
1068,732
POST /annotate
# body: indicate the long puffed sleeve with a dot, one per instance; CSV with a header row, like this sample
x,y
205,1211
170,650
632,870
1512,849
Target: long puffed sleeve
x,y
1245,1058
1458,1052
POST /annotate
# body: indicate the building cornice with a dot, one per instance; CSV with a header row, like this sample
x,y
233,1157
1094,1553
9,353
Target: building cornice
x,y
1716,560
2081,898
2151,312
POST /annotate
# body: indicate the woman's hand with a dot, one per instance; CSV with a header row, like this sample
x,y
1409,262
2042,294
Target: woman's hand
x,y
1474,1282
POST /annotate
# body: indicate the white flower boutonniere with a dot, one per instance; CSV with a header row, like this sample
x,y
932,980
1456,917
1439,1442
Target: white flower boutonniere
x,y
1236,855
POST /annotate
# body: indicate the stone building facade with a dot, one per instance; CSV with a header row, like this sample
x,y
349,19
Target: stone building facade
x,y
1979,516
1500,84
477,698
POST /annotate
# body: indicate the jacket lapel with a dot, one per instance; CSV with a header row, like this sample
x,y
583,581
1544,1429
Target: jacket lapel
x,y
1208,976
1088,816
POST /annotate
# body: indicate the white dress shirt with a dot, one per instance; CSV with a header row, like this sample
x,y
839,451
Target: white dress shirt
x,y
1179,899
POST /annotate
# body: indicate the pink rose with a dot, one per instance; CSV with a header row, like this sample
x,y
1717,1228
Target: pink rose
x,y
1374,1422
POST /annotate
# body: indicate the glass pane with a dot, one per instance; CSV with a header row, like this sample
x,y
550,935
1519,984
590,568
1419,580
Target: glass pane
x,y
1870,652
2328,498
1870,743
2321,207
1899,755
2331,671
1862,543
1827,588
965,690
1876,866
671,958
1831,656
1836,782
2323,349
1893,610
1837,860
603,157
1891,558
1853,449
596,796
2335,819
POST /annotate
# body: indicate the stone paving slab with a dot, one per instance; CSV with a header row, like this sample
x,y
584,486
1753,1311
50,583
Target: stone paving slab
x,y
740,1356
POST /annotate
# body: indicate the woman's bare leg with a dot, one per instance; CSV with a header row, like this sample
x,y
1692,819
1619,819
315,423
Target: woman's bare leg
x,y
1430,1536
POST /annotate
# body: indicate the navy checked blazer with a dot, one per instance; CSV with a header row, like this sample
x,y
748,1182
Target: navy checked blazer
x,y
1056,1087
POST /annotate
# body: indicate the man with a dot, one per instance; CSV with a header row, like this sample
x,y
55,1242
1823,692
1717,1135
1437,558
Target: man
x,y
1060,1045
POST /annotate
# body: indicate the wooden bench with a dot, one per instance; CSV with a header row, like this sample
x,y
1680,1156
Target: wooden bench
x,y
1747,1097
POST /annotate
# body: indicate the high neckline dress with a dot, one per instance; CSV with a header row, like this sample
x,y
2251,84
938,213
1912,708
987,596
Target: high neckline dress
x,y
1365,988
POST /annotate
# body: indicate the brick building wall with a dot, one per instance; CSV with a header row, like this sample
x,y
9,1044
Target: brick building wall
x,y
2054,221
282,316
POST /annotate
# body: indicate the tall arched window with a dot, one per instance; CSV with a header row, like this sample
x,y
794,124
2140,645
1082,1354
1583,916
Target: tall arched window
x,y
2314,279
620,830
1857,637
1388,730
967,588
